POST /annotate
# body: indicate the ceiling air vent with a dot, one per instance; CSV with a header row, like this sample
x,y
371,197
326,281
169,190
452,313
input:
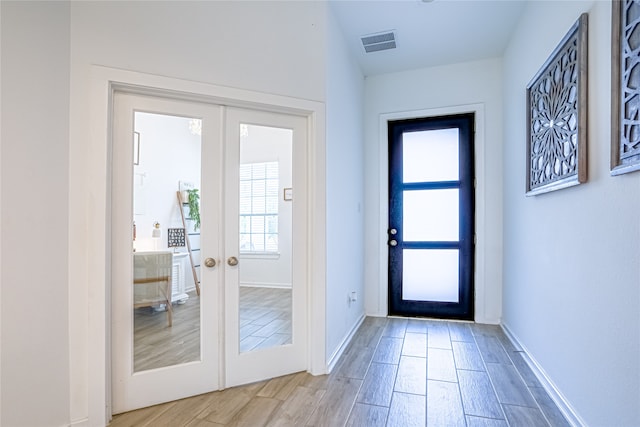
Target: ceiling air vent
x,y
379,41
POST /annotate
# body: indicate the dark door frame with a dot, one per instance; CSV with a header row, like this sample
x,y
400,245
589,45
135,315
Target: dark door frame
x,y
466,244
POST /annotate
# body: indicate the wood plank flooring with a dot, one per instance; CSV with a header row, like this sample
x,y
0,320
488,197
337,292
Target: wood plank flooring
x,y
265,321
265,317
156,345
395,372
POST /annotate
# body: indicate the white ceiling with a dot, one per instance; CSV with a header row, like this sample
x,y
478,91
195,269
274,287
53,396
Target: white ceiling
x,y
427,33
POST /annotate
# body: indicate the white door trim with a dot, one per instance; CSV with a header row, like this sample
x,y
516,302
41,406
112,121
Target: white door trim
x,y
480,208
90,209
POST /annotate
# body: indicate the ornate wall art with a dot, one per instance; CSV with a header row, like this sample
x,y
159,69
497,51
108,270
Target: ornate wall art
x,y
557,116
625,86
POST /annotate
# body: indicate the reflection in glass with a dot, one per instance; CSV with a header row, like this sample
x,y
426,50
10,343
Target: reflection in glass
x,y
166,311
430,275
429,156
430,215
265,237
259,207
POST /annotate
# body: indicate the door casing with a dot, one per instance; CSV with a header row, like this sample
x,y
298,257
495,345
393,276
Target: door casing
x,y
484,294
464,307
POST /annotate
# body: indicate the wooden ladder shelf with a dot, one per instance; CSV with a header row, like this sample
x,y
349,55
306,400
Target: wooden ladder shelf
x,y
181,204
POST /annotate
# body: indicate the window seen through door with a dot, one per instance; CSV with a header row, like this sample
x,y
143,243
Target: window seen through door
x,y
259,207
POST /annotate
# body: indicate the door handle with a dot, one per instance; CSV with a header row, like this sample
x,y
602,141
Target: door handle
x,y
232,261
210,262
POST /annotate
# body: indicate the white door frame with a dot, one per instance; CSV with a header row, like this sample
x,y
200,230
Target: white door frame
x,y
481,249
93,213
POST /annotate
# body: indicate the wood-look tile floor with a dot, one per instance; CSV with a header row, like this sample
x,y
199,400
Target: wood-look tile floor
x,y
156,345
265,317
265,321
395,372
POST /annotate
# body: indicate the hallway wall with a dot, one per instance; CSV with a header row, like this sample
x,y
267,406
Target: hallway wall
x,y
345,200
34,219
571,272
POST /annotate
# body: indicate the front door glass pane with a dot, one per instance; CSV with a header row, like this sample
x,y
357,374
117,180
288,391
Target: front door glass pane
x,y
430,156
430,215
430,275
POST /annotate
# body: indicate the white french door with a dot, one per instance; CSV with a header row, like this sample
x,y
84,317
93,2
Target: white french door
x,y
242,318
265,340
155,359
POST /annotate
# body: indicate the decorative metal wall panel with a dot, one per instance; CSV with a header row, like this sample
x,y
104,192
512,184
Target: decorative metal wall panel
x,y
557,113
625,85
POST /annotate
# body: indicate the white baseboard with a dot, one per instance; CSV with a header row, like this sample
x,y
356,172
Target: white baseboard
x,y
554,393
265,285
333,360
80,423
487,321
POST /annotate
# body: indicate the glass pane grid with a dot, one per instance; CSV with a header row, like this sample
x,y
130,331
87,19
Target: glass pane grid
x,y
245,173
258,171
259,192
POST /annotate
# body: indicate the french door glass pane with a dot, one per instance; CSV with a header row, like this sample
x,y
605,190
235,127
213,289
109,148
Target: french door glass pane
x,y
430,156
430,215
265,269
430,275
166,306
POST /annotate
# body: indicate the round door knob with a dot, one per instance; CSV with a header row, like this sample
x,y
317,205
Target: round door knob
x,y
232,261
393,243
210,262
393,231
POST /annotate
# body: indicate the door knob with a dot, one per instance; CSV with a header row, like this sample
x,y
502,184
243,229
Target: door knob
x,y
210,262
232,261
393,231
393,242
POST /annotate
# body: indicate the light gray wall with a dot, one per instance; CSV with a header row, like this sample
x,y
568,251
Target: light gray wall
x,y
345,174
571,271
437,88
269,47
35,150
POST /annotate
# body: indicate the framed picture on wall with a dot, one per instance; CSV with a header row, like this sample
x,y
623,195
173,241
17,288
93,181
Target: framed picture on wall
x,y
176,237
625,87
557,116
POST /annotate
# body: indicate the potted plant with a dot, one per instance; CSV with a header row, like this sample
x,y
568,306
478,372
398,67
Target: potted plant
x,y
193,202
